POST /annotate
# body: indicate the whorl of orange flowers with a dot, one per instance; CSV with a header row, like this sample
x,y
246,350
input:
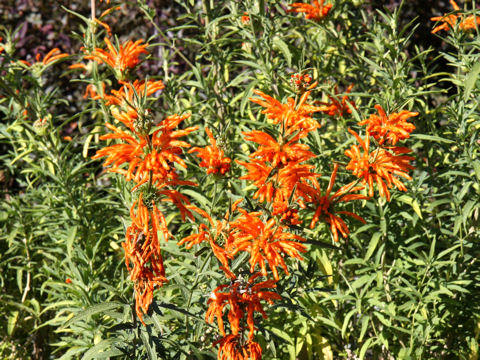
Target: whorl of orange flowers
x,y
232,349
142,252
276,167
316,11
325,204
278,154
449,21
379,166
146,153
127,55
265,240
294,117
389,129
215,234
212,157
338,108
243,298
130,93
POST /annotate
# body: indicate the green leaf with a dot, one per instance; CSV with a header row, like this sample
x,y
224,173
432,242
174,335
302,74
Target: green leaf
x,y
365,347
476,168
202,200
372,245
283,47
97,351
346,321
432,138
12,321
365,321
470,80
71,234
152,354
413,203
95,309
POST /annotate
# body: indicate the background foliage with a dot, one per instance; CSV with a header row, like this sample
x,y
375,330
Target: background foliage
x,y
403,286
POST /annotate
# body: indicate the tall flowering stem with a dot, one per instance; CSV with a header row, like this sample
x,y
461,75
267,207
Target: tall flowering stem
x,y
145,153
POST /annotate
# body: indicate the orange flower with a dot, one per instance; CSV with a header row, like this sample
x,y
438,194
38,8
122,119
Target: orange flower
x,y
127,56
143,161
213,234
212,157
52,56
1,47
126,94
142,252
293,118
380,165
274,184
91,91
449,21
278,154
266,242
317,11
242,297
78,66
469,23
326,204
68,281
389,128
336,107
230,349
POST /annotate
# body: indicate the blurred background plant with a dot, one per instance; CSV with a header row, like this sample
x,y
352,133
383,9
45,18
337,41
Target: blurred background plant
x,y
402,286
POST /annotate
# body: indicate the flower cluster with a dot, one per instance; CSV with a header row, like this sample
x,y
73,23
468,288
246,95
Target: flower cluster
x,y
287,185
146,152
213,158
383,164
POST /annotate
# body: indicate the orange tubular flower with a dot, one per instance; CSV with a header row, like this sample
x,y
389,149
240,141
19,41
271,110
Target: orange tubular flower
x,y
126,93
276,154
380,165
336,107
449,21
242,297
211,234
142,252
326,204
316,12
264,241
275,185
165,151
126,57
294,119
212,157
52,56
389,128
230,349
